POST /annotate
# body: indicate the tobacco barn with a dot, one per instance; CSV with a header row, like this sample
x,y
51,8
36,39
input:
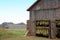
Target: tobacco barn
x,y
44,18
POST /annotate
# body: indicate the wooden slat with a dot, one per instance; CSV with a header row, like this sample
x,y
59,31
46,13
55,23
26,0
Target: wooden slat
x,y
41,27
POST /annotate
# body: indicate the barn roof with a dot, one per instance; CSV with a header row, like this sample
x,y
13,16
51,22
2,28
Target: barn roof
x,y
33,5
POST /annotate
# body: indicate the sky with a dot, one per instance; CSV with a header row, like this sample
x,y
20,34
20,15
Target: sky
x,y
14,10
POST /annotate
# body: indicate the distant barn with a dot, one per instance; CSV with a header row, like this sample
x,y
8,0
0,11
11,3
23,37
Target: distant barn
x,y
44,15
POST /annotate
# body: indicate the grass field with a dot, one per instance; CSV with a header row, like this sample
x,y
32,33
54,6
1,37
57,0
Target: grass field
x,y
18,35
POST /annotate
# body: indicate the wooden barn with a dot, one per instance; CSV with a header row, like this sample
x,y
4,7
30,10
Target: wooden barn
x,y
44,18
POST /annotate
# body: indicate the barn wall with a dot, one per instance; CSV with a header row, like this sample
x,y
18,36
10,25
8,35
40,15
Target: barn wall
x,y
50,14
47,4
45,14
32,23
45,10
58,14
32,16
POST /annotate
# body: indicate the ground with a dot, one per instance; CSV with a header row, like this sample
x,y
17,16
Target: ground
x,y
19,35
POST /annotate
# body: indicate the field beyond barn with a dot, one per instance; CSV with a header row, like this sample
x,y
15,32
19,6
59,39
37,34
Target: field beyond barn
x,y
18,35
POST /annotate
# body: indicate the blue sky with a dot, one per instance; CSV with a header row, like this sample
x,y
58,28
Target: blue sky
x,y
14,10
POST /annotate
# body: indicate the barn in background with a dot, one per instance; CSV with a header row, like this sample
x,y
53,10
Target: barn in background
x,y
44,15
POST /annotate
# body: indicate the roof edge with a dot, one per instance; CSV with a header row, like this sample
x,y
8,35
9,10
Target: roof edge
x,y
33,5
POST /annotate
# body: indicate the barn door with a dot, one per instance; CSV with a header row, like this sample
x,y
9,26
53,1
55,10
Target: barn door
x,y
42,27
58,28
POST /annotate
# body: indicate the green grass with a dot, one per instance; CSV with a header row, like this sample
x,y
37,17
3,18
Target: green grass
x,y
18,35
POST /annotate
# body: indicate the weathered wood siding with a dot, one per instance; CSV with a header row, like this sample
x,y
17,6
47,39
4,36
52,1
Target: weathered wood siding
x,y
51,10
58,14
45,14
47,4
32,15
45,10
